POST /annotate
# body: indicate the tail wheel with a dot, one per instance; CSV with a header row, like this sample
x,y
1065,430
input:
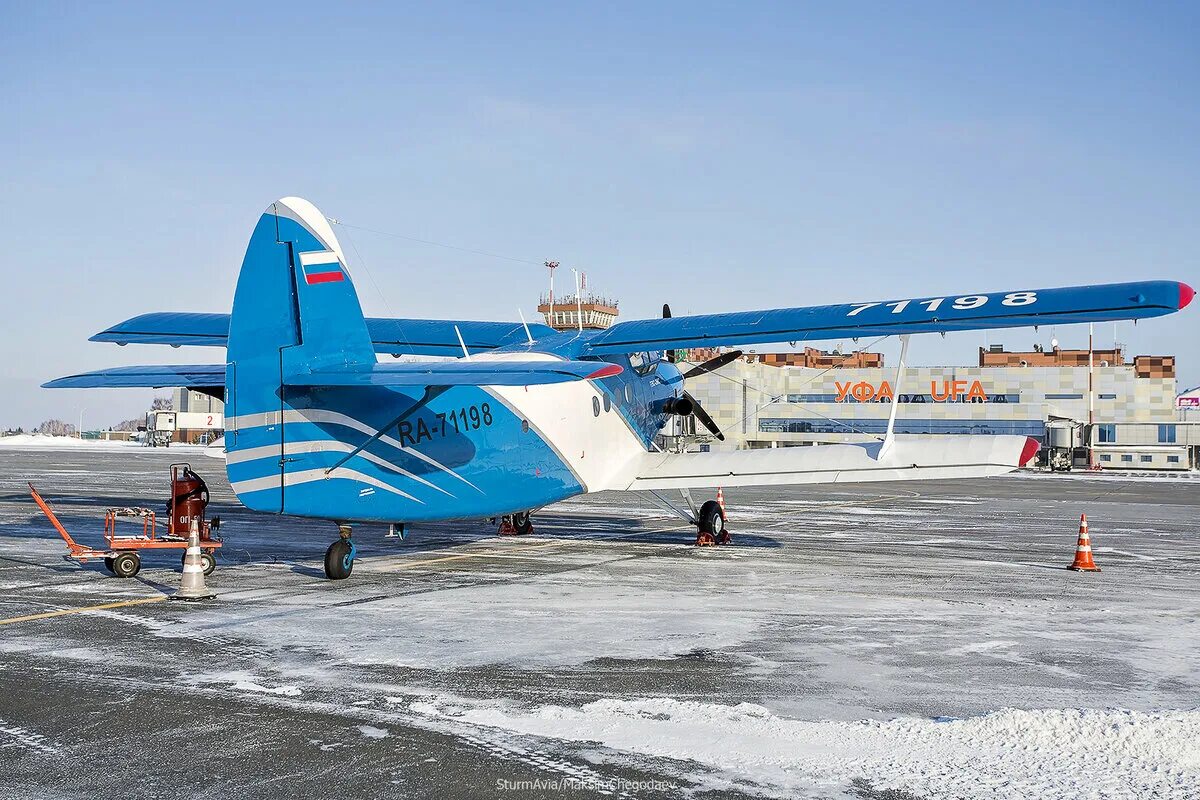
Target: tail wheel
x,y
339,560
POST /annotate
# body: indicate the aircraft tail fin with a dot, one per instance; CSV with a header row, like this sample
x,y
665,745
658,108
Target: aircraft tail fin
x,y
295,310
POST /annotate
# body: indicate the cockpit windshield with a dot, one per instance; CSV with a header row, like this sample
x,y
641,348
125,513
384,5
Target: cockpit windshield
x,y
645,363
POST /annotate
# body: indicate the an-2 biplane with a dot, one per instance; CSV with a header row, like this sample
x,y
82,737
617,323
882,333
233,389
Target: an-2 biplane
x,y
525,416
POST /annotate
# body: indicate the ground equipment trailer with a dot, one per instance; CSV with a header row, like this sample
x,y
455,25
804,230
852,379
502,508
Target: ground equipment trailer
x,y
122,554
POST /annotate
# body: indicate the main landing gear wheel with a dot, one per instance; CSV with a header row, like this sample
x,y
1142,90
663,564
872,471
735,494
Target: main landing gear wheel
x,y
519,524
711,522
339,558
126,565
207,559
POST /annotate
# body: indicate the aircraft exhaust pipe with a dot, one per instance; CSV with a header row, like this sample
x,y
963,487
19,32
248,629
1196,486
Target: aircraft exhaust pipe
x,y
683,406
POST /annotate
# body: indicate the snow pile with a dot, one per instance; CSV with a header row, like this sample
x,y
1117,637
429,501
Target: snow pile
x,y
250,686
27,440
1010,753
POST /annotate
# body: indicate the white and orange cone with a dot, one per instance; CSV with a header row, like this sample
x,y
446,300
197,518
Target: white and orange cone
x,y
191,585
721,499
1083,549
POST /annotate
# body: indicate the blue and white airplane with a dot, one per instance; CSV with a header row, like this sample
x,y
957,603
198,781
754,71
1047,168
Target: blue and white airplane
x,y
524,416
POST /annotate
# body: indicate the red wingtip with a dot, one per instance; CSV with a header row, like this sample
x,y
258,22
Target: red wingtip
x,y
1029,451
607,371
1186,293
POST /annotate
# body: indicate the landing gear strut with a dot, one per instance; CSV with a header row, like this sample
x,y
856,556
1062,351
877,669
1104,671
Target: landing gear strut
x,y
709,519
339,558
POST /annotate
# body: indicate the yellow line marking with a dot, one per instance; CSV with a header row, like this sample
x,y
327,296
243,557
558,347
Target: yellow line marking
x,y
101,607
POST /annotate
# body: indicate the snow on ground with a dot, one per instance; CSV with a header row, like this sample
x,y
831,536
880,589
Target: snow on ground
x,y
1107,475
27,441
923,641
1011,753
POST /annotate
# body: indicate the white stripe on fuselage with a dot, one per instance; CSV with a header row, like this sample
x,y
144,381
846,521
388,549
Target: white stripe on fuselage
x,y
310,475
317,415
321,446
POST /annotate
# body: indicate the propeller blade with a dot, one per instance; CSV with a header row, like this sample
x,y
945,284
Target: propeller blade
x,y
713,363
702,415
666,311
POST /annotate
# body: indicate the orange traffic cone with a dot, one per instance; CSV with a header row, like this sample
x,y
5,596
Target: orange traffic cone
x,y
1083,549
721,499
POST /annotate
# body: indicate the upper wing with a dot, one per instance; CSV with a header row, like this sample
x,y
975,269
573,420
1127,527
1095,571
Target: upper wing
x,y
426,337
457,373
1117,301
153,376
909,458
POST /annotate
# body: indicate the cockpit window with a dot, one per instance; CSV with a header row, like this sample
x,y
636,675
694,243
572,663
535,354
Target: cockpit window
x,y
645,363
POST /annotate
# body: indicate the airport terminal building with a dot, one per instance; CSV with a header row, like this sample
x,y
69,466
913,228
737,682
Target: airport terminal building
x,y
786,399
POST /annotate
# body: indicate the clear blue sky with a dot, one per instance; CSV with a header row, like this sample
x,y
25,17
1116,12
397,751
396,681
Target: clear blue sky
x,y
719,157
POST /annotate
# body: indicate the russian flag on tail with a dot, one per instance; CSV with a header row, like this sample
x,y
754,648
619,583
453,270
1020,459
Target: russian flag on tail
x,y
321,266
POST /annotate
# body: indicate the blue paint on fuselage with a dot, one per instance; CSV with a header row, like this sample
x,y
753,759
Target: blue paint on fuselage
x,y
441,463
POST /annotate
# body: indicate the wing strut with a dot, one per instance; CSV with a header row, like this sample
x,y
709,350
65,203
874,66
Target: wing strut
x,y
890,438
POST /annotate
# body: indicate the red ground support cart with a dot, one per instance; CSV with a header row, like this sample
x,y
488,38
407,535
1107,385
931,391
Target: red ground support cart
x,y
122,556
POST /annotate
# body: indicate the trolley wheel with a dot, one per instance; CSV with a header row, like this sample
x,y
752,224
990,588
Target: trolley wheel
x,y
108,565
522,523
126,565
339,560
207,559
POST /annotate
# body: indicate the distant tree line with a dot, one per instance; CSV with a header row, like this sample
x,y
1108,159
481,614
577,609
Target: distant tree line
x,y
57,427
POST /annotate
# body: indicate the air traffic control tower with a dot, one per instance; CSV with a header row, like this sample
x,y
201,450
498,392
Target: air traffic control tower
x,y
565,313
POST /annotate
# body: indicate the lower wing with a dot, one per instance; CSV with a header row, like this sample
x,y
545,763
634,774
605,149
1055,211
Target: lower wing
x,y
908,458
440,373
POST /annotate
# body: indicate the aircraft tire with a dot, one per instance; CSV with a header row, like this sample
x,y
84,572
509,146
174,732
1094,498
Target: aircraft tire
x,y
522,523
338,564
711,519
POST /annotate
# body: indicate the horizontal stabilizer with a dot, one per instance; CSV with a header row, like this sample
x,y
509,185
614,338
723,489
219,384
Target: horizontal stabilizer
x,y
149,376
421,337
457,373
909,458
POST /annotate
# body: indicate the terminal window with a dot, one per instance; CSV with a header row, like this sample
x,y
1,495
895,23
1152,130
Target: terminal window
x,y
1106,458
1172,459
1128,459
1147,459
1166,434
1106,434
1065,397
